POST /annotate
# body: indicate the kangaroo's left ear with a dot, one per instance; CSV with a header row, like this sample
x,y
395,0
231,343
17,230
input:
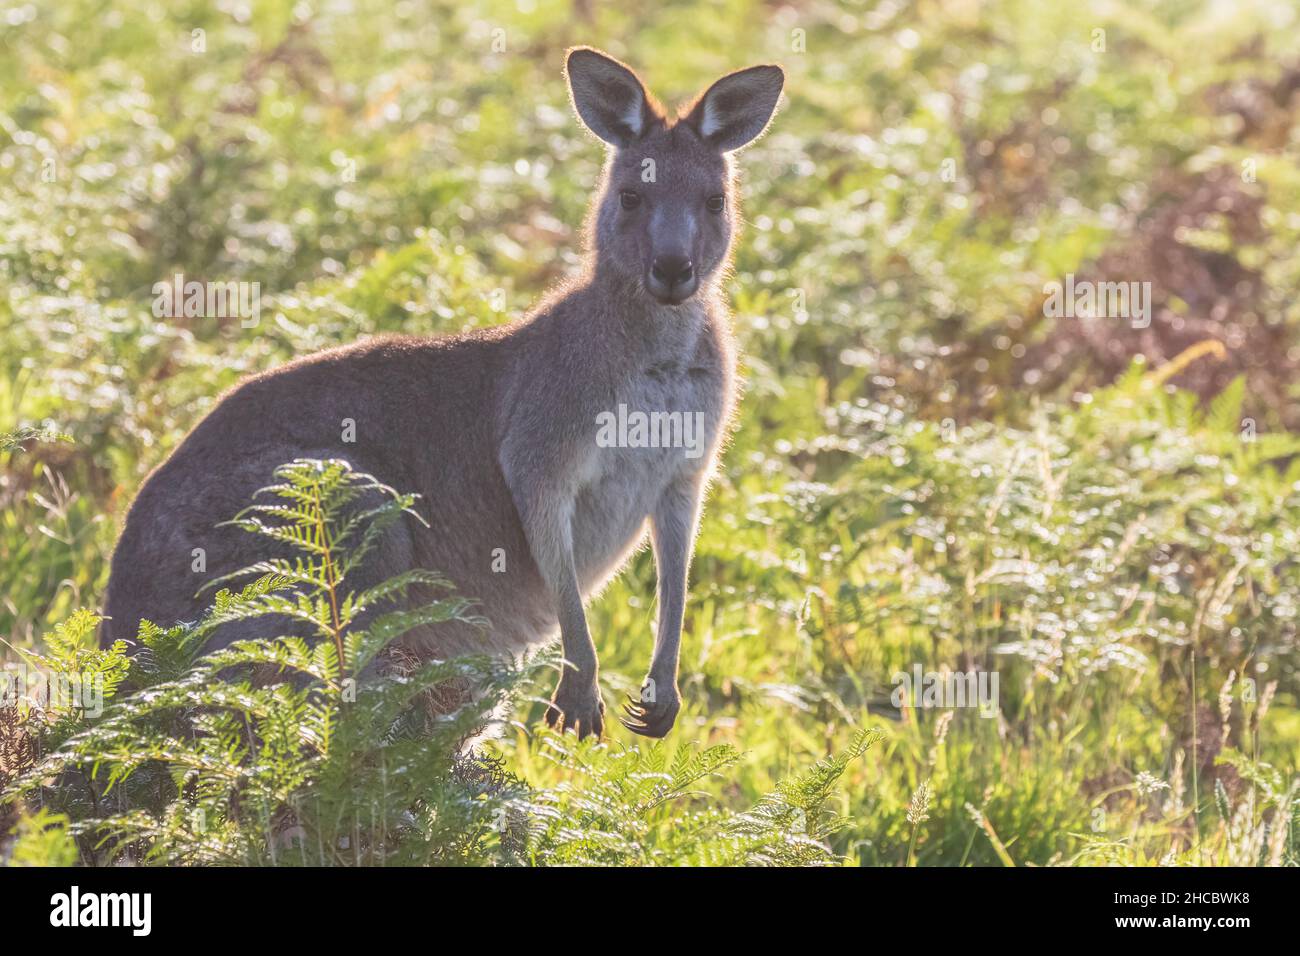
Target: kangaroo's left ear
x,y
736,109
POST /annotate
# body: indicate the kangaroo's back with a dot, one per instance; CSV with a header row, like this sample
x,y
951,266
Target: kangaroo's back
x,y
407,409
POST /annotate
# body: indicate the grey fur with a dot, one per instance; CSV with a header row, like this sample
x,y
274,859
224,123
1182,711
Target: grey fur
x,y
497,429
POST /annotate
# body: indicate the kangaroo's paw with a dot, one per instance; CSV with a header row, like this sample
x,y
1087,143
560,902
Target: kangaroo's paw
x,y
581,711
652,718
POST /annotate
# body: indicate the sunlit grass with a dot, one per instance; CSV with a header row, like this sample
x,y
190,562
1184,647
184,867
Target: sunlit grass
x,y
926,470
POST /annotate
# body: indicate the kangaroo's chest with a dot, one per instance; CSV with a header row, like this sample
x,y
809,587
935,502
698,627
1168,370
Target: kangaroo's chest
x,y
662,423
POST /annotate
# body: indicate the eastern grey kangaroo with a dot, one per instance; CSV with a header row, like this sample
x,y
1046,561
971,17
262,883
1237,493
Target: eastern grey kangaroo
x,y
500,430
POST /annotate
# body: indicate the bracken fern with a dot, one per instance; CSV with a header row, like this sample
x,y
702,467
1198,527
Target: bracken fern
x,y
330,746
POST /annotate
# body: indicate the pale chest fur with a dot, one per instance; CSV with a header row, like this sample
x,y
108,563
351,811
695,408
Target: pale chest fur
x,y
663,424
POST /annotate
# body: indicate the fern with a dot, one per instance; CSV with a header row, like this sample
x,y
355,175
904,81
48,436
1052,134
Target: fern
x,y
286,751
639,807
214,758
46,432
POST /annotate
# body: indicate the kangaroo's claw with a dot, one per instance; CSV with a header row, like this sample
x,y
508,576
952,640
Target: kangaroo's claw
x,y
653,718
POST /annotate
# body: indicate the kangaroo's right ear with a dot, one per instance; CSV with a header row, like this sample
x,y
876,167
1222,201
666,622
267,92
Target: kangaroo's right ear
x,y
608,97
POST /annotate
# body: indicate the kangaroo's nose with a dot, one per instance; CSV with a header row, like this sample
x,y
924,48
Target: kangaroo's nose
x,y
672,270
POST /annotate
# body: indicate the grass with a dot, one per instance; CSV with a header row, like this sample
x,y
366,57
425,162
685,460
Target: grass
x,y
928,469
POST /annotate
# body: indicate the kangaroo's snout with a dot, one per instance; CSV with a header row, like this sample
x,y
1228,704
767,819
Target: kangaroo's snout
x,y
672,279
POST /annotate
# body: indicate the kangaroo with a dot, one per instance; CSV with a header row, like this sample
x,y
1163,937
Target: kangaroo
x,y
508,433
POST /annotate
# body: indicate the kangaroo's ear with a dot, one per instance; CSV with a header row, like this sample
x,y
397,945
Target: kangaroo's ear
x,y
608,97
736,109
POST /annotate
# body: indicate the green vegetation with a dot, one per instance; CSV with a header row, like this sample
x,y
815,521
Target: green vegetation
x,y
316,750
929,471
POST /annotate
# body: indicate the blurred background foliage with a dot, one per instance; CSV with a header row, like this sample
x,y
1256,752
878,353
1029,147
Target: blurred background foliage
x,y
928,470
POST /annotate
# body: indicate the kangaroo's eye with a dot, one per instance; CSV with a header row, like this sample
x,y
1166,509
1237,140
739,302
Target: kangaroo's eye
x,y
629,199
715,203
